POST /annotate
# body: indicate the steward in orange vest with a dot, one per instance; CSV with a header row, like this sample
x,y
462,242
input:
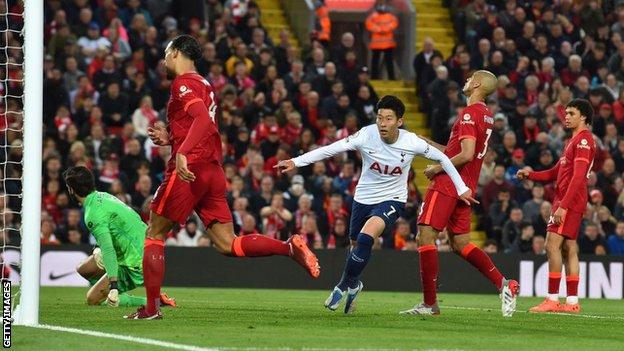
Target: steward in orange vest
x,y
322,23
381,24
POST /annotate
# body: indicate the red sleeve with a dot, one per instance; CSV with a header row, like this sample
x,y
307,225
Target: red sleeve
x,y
202,126
468,125
580,172
545,176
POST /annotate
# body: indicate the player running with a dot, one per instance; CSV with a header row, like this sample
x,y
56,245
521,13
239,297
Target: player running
x,y
467,146
195,180
571,174
381,192
115,266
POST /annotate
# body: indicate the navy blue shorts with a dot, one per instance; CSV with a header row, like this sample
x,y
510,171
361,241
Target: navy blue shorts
x,y
389,211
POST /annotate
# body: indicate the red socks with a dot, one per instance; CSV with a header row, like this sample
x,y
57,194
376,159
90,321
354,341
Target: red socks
x,y
429,267
554,278
255,245
153,272
481,261
572,283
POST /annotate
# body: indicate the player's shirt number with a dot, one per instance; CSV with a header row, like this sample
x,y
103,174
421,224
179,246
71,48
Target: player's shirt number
x,y
488,134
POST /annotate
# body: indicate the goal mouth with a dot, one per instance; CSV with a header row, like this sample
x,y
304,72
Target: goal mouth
x,y
21,123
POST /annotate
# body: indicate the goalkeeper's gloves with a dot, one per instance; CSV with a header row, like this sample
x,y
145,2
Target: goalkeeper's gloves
x,y
113,295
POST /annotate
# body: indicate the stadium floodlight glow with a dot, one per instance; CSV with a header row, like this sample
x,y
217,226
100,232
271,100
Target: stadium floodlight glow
x,y
27,310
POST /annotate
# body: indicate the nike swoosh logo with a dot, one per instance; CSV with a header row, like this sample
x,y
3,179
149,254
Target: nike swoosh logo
x,y
371,152
55,277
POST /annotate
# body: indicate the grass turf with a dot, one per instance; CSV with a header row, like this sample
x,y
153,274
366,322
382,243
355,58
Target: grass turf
x,y
270,319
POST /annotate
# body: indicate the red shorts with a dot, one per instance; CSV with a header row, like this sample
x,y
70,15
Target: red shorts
x,y
570,226
175,199
440,211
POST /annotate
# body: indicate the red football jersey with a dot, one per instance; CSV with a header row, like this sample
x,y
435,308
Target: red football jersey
x,y
475,122
580,148
187,89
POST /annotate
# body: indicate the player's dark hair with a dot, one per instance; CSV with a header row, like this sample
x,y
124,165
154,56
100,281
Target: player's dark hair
x,y
188,46
584,107
80,179
393,103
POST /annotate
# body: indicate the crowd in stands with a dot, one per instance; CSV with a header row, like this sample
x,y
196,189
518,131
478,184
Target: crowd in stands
x,y
105,83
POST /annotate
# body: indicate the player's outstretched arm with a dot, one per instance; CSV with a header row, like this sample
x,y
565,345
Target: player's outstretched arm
x,y
548,175
349,143
433,143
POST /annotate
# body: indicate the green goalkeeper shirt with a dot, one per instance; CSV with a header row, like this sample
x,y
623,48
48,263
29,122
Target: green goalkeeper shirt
x,y
118,230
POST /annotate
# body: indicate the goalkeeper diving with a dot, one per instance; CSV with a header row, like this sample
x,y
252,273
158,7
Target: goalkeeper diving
x,y
115,267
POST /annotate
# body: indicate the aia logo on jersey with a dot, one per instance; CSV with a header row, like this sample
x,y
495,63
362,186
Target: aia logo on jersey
x,y
584,144
467,119
385,169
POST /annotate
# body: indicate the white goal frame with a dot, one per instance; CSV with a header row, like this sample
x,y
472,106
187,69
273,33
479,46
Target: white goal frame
x,y
27,310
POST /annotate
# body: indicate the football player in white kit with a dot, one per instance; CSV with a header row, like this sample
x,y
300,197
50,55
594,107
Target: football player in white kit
x,y
381,192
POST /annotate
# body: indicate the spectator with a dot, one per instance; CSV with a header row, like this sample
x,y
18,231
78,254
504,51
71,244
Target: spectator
x,y
490,246
591,240
494,187
144,116
531,208
311,234
188,236
523,243
93,41
538,245
275,217
512,229
423,59
339,238
47,232
616,240
381,24
499,213
249,225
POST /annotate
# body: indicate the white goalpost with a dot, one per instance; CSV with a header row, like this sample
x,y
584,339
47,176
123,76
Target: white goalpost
x,y
27,310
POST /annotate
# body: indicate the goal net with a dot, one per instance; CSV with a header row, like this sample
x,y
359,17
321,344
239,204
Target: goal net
x,y
21,62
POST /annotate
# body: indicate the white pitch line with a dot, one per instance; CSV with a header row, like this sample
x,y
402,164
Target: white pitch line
x,y
171,345
550,313
133,339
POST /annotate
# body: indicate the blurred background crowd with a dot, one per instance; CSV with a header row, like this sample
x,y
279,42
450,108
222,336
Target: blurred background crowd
x,y
105,83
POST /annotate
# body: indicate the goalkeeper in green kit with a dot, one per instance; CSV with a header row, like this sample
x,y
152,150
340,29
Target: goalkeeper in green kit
x,y
116,265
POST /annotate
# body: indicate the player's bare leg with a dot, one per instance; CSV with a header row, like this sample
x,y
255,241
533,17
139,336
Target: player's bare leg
x,y
357,259
571,263
90,270
153,266
429,268
554,243
98,292
227,243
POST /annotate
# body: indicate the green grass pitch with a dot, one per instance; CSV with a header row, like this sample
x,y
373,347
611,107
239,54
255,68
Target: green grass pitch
x,y
239,319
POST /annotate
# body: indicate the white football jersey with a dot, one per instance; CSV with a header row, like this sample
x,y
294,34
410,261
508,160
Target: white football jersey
x,y
385,167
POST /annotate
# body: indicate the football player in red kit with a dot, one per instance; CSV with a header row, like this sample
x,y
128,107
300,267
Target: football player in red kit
x,y
571,174
195,180
441,208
